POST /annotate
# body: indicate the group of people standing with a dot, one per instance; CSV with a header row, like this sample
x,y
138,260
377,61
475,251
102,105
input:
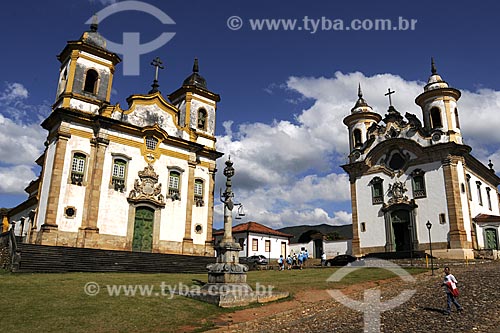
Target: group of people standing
x,y
293,260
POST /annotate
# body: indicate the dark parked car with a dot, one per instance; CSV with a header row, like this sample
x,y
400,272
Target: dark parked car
x,y
341,260
260,260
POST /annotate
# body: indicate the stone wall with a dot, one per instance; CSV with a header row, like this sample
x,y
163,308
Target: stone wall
x,y
5,260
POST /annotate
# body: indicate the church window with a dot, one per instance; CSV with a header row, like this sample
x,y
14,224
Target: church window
x,y
70,212
118,176
457,121
479,196
377,190
255,244
442,218
174,185
488,197
151,142
363,226
198,229
436,118
62,82
467,182
202,119
357,138
397,162
198,193
78,168
268,245
91,79
418,182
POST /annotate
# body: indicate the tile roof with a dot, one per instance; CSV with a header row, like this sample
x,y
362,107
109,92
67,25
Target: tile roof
x,y
255,228
481,218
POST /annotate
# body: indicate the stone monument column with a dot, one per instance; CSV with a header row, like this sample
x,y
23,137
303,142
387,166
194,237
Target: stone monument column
x,y
227,274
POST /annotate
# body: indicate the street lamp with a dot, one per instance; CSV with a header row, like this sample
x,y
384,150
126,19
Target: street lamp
x,y
411,244
429,226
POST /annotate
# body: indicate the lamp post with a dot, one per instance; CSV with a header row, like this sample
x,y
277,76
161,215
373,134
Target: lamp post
x,y
429,226
411,244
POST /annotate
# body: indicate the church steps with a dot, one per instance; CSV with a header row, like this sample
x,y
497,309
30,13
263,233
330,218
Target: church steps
x,y
40,258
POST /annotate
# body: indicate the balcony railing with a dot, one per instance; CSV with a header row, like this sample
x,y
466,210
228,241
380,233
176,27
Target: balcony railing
x,y
118,184
77,178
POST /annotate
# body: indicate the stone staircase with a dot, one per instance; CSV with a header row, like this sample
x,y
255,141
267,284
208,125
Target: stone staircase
x,y
56,259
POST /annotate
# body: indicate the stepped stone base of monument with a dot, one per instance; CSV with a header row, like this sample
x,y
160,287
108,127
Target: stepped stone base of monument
x,y
229,295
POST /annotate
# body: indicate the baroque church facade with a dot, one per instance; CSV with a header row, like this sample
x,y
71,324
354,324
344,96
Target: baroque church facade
x,y
139,178
404,174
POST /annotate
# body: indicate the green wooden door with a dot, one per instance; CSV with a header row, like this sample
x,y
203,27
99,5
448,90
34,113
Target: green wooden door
x,y
143,230
491,238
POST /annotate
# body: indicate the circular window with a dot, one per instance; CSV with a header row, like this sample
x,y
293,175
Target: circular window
x,y
198,228
70,212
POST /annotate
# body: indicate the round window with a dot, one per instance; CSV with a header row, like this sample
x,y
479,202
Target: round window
x,y
70,212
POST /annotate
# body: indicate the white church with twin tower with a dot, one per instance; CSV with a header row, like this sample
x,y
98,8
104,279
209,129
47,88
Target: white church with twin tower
x,y
139,178
409,179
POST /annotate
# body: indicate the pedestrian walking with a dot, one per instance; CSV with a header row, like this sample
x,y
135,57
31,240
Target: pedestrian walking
x,y
451,290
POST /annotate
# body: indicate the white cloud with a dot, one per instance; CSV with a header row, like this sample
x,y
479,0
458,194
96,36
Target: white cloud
x,y
21,142
13,91
287,172
15,179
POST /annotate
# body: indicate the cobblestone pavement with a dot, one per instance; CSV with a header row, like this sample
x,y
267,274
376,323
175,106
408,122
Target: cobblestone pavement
x,y
479,287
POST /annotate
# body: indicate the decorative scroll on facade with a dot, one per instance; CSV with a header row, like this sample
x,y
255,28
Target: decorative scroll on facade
x,y
147,188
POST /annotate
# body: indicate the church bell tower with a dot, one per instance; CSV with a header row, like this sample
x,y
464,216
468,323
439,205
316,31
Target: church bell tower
x,y
439,108
197,107
86,73
359,121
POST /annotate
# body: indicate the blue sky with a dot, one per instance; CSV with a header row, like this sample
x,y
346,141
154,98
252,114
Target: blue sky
x,y
283,93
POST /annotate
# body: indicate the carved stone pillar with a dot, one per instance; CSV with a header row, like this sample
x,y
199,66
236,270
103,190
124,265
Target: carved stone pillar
x,y
187,242
356,250
48,231
458,235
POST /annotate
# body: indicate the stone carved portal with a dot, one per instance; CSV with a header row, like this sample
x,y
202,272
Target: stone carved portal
x,y
401,231
147,189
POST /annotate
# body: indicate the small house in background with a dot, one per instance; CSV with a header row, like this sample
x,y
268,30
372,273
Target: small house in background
x,y
333,240
257,239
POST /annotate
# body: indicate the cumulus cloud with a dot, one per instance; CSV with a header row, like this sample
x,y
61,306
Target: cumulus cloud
x,y
20,144
22,138
287,172
15,179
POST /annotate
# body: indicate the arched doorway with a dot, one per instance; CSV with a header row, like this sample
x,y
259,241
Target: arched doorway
x,y
400,222
142,240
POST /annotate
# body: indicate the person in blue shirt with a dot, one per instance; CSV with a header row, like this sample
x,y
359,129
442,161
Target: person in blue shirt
x,y
281,262
289,261
300,258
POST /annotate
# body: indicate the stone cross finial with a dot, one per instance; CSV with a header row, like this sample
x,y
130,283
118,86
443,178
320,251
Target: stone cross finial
x,y
389,93
157,63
